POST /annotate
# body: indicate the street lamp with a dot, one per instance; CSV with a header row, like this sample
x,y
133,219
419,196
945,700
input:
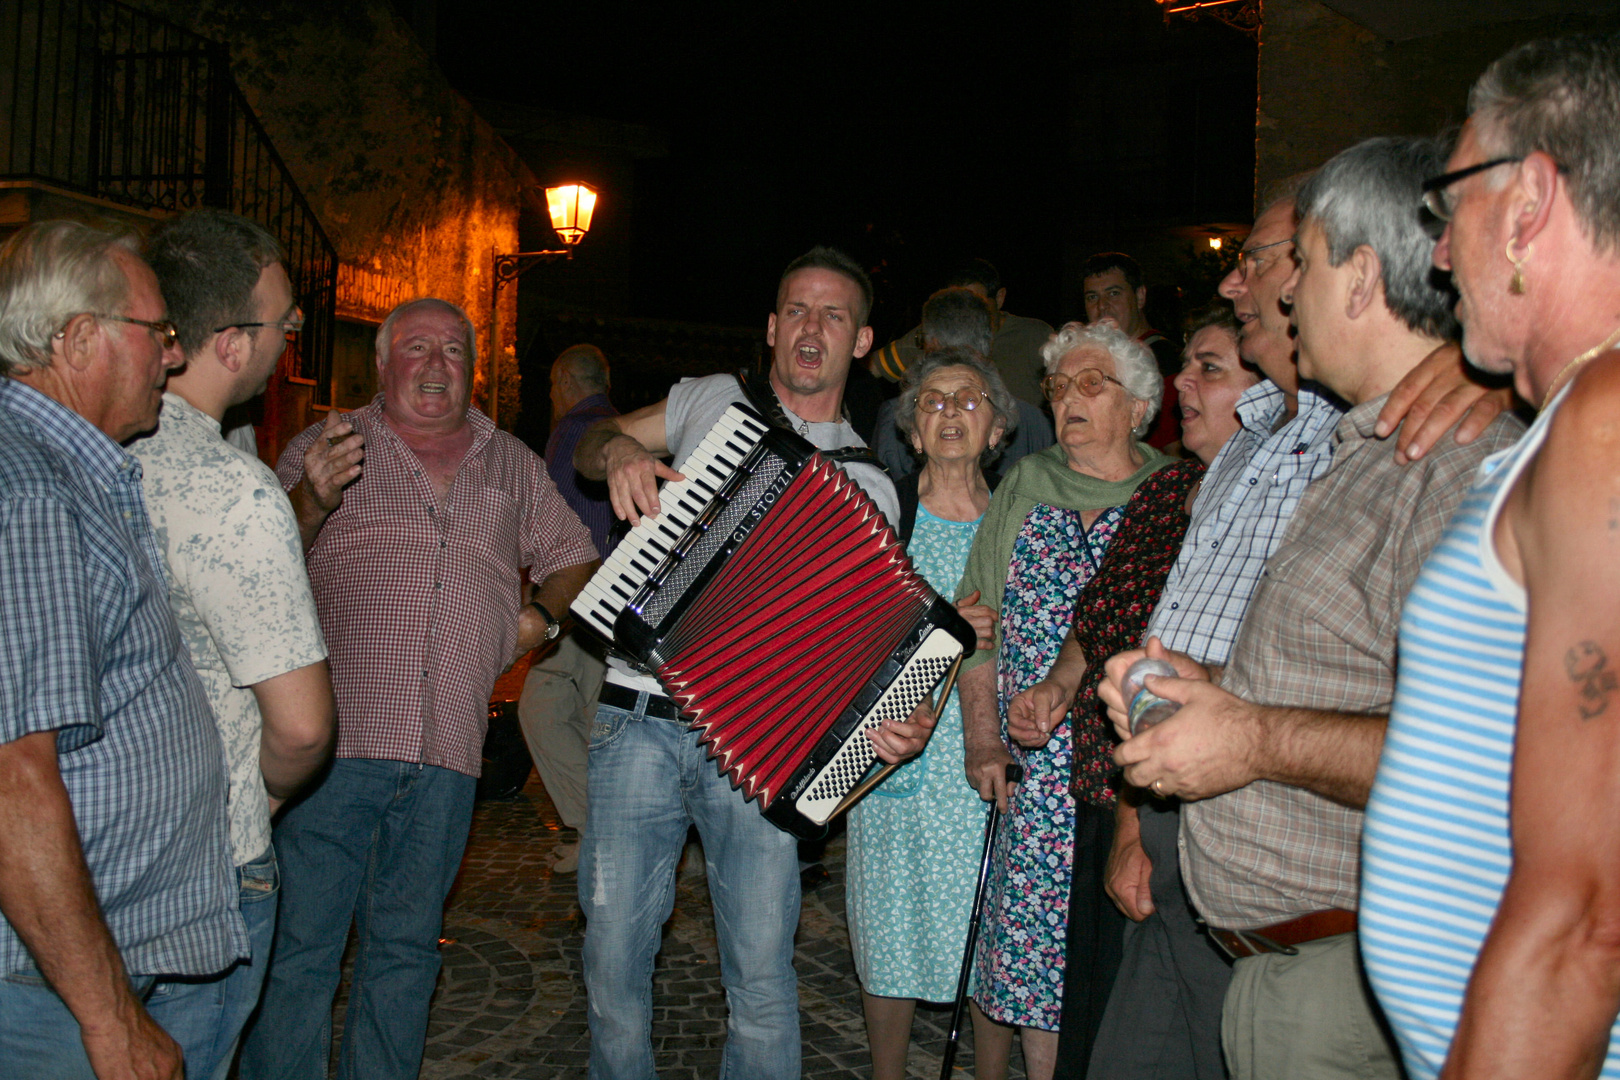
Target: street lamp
x,y
571,207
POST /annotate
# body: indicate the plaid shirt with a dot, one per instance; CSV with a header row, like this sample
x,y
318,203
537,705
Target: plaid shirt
x,y
1249,495
419,605
1321,634
90,651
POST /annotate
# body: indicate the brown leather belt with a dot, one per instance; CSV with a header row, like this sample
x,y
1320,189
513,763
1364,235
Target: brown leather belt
x,y
1283,936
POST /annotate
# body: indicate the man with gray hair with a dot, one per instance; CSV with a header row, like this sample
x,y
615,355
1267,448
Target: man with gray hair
x,y
1489,890
416,556
237,581
1273,756
115,868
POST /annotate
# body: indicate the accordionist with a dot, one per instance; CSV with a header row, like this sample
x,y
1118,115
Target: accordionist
x,y
649,778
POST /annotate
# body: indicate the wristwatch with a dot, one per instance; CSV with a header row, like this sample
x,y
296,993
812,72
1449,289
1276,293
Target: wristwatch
x,y
553,627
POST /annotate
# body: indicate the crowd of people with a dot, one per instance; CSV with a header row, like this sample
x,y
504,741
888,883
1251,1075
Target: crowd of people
x,y
243,710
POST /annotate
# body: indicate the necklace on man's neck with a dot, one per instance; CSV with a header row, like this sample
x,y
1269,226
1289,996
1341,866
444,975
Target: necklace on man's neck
x,y
1568,371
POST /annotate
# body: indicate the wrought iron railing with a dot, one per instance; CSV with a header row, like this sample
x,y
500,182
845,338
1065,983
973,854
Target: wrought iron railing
x,y
99,98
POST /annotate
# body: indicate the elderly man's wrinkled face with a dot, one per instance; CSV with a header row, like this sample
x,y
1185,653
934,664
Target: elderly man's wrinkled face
x,y
1109,296
1088,425
427,377
1208,387
137,364
1255,288
1473,249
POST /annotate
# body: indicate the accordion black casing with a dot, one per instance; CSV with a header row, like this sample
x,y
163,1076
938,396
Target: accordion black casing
x,y
779,611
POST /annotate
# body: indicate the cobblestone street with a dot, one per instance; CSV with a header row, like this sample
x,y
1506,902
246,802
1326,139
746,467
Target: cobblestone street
x,y
510,1002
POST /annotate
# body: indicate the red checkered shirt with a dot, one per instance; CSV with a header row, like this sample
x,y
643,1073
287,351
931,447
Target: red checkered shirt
x,y
419,606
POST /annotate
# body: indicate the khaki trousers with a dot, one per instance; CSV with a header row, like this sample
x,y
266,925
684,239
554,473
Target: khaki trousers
x,y
555,710
1306,1017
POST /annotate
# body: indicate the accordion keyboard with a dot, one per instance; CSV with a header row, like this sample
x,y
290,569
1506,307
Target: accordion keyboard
x,y
680,502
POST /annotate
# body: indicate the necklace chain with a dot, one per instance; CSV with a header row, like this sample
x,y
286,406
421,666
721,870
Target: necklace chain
x,y
1568,370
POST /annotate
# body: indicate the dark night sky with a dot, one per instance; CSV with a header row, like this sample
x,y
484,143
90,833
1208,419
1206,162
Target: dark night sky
x,y
908,133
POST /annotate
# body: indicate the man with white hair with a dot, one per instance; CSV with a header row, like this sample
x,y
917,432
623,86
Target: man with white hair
x,y
115,865
1273,756
1491,890
416,559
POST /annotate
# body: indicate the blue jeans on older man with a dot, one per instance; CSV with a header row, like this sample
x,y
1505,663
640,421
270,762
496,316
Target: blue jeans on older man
x,y
649,780
378,842
39,1036
206,1016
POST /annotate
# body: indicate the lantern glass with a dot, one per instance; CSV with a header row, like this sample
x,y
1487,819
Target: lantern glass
x,y
571,207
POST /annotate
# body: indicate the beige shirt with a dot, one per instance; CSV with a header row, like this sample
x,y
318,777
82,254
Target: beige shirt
x,y
1321,634
237,585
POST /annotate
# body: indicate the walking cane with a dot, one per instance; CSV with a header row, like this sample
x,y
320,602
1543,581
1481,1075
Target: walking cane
x,y
1015,773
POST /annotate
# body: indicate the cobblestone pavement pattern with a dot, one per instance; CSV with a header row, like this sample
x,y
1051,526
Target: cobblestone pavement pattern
x,y
510,1002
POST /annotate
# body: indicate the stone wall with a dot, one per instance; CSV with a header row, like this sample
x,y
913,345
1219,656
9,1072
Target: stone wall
x,y
1327,83
407,180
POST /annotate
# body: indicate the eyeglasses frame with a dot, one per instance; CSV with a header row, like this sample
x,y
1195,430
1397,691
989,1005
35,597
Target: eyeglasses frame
x,y
1074,380
951,397
1434,188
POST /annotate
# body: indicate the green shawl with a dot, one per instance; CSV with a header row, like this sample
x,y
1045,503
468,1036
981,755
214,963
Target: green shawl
x,y
1042,477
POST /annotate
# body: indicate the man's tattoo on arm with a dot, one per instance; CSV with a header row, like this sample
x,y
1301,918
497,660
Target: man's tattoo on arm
x,y
1589,669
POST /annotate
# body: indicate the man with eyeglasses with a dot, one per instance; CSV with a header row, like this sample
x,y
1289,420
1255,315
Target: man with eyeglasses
x,y
115,866
1274,754
1173,980
237,583
1489,882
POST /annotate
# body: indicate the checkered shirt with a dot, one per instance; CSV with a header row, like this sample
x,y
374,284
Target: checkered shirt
x,y
89,650
1249,495
419,605
1321,634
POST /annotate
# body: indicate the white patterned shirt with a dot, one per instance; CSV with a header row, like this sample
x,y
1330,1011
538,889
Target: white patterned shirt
x,y
1249,496
237,585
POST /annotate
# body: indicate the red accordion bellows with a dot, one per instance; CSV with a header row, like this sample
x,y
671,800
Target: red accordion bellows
x,y
820,589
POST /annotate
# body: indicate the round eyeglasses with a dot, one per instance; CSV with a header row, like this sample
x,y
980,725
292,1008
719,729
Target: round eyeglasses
x,y
1089,381
966,399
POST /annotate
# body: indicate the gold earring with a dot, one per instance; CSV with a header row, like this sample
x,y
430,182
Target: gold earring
x,y
1516,285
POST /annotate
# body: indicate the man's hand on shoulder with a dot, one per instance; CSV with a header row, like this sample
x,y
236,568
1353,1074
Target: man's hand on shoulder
x,y
1442,392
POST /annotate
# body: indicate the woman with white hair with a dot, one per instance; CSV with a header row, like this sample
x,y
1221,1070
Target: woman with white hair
x,y
1045,534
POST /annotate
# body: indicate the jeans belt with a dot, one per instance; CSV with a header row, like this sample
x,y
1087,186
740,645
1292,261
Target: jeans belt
x,y
1282,937
622,697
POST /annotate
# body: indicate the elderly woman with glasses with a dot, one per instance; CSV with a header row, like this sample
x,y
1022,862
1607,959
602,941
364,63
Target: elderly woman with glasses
x,y
1045,534
914,842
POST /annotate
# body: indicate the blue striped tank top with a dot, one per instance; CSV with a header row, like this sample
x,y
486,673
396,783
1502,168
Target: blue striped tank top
x,y
1435,845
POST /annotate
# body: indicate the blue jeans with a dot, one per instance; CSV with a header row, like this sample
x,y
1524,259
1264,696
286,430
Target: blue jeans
x,y
649,780
378,842
39,1037
206,1016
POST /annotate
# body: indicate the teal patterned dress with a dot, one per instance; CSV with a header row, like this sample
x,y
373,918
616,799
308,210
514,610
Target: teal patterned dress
x,y
914,843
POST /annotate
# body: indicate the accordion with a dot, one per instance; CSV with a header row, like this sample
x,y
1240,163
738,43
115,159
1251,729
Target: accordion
x,y
776,607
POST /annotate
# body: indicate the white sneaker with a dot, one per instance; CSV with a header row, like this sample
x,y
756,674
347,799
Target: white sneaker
x,y
565,860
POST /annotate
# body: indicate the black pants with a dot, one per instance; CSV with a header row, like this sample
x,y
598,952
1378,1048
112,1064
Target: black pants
x,y
1095,941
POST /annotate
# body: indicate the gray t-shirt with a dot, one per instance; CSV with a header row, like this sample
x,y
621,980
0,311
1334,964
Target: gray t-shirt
x,y
695,405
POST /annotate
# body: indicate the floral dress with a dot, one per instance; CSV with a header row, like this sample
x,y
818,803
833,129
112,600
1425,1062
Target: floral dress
x,y
914,842
1018,971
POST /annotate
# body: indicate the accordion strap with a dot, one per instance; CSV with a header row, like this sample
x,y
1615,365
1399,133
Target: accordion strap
x,y
762,396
